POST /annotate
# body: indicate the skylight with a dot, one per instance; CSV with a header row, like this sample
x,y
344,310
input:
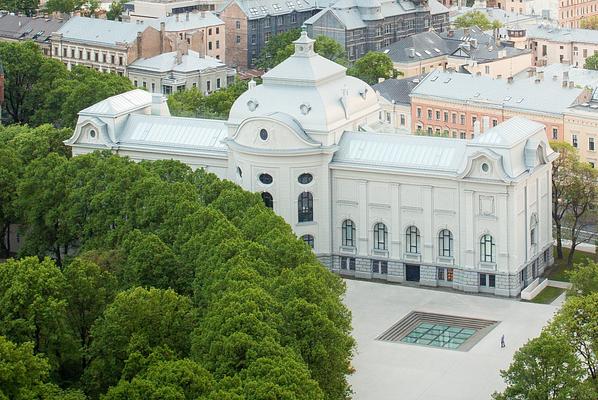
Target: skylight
x,y
428,52
276,7
253,11
434,78
519,100
418,54
507,98
436,50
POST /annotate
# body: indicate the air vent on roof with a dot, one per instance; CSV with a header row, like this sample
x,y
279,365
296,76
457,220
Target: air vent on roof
x,y
434,78
477,94
519,100
386,51
447,80
428,52
507,98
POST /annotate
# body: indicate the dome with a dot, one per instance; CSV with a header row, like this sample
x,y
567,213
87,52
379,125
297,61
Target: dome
x,y
311,89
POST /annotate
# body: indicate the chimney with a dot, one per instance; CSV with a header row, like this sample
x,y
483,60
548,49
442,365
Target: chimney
x,y
510,79
179,57
162,36
411,52
538,80
139,46
450,33
465,31
474,43
159,106
187,16
251,84
531,72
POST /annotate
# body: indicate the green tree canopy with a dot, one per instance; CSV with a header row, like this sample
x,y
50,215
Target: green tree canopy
x,y
373,66
476,18
590,22
584,278
591,62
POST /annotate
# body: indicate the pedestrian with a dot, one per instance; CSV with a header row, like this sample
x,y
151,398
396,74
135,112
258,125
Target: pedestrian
x,y
502,341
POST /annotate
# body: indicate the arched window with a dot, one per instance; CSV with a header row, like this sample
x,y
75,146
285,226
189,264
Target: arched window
x,y
445,243
268,200
309,239
412,240
348,233
306,207
487,249
380,236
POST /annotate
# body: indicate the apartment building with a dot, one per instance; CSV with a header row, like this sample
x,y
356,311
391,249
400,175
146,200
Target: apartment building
x,y
565,13
362,26
395,103
581,129
462,105
38,29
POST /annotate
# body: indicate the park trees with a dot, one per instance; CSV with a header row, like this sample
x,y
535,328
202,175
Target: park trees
x,y
574,191
591,62
476,18
584,278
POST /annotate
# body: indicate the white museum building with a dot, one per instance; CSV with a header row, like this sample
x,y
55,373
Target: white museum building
x,y
473,215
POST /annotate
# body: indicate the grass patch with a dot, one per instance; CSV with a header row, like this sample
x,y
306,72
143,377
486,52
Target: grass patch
x,y
558,271
548,295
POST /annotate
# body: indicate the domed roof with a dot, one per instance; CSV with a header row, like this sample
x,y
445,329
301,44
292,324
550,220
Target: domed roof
x,y
310,88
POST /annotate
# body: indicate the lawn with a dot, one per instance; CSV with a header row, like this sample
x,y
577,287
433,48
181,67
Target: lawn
x,y
558,270
548,295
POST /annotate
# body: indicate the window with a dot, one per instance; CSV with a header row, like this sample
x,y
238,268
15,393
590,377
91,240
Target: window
x,y
437,115
488,280
412,239
429,114
279,20
445,274
217,44
253,39
305,207
217,30
309,239
348,233
97,56
238,25
555,133
380,236
494,122
446,114
591,144
419,112
267,36
268,200
293,18
574,140
217,83
402,119
103,57
487,249
348,263
454,118
533,229
266,179
305,178
266,22
462,135
153,87
445,243
238,39
429,131
473,120
487,69
263,134
380,267
210,45
72,53
135,83
462,119
80,54
210,31
209,86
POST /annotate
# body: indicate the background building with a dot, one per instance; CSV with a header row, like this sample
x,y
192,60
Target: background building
x,y
176,71
395,102
362,26
470,215
143,10
38,29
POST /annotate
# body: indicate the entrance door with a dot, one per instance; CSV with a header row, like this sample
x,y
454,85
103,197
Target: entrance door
x,y
412,273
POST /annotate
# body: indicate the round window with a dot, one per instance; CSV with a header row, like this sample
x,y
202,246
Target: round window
x,y
306,178
92,133
266,179
239,172
264,134
485,167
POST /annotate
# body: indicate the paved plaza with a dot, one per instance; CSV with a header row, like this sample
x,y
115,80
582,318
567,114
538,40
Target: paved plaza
x,y
402,371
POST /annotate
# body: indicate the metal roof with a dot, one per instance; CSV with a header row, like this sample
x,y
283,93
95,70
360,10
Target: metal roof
x,y
565,35
103,31
166,62
509,133
19,27
124,102
398,89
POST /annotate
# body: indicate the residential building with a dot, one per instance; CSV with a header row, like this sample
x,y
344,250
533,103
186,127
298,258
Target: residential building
x,y
551,45
565,72
144,10
581,128
395,102
167,73
361,26
472,215
506,18
468,50
38,29
463,106
251,23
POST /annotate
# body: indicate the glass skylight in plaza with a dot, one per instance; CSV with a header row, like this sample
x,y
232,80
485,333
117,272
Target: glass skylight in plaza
x,y
438,335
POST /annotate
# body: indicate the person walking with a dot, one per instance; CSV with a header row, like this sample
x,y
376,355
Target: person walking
x,y
502,342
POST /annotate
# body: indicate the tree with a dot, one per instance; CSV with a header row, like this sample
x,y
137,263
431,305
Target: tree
x,y
10,170
22,62
574,191
373,66
545,368
591,62
27,7
476,18
116,9
192,103
589,22
584,278
577,322
137,319
63,6
330,49
277,49
33,307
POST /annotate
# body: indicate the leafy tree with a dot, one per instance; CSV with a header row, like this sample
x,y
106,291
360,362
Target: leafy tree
x,y
192,103
330,49
178,379
545,368
476,18
591,62
10,170
574,190
277,49
590,22
26,7
22,62
33,307
37,143
584,278
577,322
138,318
115,11
373,66
24,375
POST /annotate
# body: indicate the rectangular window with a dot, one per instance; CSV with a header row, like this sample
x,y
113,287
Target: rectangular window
x,y
348,263
135,83
429,114
238,24
209,31
437,115
209,86
153,87
72,53
462,119
402,119
64,52
462,135
144,84
267,23
97,56
440,274
473,120
80,54
445,274
555,133
574,140
482,279
419,112
491,280
217,44
238,39
487,69
267,36
279,20
217,30
218,83
494,122
591,143
454,118
120,61
293,18
446,114
380,267
209,45
89,55
253,39
112,59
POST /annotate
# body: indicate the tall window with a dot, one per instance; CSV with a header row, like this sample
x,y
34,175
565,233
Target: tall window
x,y
268,200
309,239
445,243
306,207
487,249
380,236
412,239
533,231
348,233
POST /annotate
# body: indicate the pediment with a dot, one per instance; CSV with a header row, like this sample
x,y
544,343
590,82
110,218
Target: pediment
x,y
485,165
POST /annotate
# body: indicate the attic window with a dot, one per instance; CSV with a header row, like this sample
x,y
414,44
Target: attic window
x,y
448,80
92,134
253,11
418,54
291,5
276,7
434,78
264,9
427,52
519,100
436,50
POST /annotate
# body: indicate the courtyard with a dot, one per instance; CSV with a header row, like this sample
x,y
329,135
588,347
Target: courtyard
x,y
386,370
